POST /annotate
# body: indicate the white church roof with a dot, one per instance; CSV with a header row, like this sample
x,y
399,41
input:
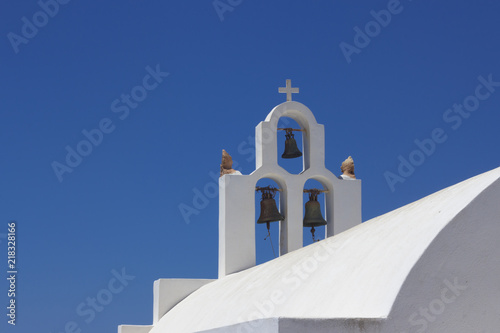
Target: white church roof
x,y
370,271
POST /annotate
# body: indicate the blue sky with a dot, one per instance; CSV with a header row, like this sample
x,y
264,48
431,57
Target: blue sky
x,y
202,81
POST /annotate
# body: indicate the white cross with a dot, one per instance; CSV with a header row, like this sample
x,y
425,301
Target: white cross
x,y
288,90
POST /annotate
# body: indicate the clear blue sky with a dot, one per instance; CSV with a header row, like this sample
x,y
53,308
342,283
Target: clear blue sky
x,y
118,208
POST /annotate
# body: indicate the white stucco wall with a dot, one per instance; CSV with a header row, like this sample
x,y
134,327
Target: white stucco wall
x,y
168,292
237,192
134,328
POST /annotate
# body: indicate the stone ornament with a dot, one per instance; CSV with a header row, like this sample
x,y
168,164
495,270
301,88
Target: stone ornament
x,y
226,168
347,169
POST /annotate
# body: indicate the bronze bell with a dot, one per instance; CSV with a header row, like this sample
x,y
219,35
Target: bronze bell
x,y
291,149
268,209
313,217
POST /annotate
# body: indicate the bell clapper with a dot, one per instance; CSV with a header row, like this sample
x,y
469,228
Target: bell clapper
x,y
268,231
270,239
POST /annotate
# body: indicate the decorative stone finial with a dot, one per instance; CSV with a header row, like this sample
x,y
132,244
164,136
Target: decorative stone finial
x,y
226,168
347,169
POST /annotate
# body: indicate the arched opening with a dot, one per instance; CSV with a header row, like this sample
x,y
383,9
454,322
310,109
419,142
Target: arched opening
x,y
267,241
313,214
292,165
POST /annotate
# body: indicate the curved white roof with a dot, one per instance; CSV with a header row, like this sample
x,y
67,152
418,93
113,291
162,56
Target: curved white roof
x,y
356,274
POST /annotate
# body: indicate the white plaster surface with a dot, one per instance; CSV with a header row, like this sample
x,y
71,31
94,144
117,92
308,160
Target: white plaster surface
x,y
375,277
134,328
168,292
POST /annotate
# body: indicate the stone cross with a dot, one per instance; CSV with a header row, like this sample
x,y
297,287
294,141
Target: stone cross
x,y
288,90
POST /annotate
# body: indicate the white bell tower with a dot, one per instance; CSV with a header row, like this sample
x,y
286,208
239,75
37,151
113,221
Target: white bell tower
x,y
237,192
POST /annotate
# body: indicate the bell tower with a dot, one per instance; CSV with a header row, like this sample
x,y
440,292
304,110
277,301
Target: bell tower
x,y
237,192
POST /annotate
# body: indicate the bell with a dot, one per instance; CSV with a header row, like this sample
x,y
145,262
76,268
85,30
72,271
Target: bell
x,y
313,217
268,210
291,149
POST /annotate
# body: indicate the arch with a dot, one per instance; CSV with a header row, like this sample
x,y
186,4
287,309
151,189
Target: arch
x,y
263,242
278,178
283,206
295,110
293,166
329,202
313,136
